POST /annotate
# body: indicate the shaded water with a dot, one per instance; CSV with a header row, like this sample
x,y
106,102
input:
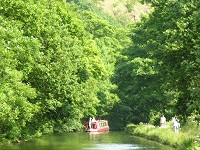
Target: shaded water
x,y
86,141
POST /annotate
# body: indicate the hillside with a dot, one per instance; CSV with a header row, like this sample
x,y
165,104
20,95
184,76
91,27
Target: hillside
x,y
124,9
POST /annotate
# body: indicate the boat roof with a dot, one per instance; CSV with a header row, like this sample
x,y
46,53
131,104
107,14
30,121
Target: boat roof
x,y
101,121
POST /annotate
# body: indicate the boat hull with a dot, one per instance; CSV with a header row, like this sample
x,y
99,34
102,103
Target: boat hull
x,y
98,129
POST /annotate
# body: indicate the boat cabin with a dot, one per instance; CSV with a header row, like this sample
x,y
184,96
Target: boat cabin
x,y
97,125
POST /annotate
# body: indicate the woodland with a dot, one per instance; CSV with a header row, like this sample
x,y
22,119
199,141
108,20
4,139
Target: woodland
x,y
64,61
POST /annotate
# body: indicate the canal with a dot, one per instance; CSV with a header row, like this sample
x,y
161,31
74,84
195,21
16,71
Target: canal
x,y
86,141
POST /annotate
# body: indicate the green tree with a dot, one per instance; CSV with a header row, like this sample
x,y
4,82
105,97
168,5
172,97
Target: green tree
x,y
176,47
55,68
110,40
16,96
160,71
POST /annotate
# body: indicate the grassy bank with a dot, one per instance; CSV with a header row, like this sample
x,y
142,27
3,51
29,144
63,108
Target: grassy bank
x,y
180,140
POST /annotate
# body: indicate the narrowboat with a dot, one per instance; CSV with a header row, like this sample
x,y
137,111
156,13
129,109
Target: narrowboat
x,y
97,126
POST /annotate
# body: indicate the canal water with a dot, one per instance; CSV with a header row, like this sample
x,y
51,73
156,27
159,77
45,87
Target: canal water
x,y
86,141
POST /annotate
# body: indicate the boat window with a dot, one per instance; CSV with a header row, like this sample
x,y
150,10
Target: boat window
x,y
103,124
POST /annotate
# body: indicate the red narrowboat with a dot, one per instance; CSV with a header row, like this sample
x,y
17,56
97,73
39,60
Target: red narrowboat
x,y
97,126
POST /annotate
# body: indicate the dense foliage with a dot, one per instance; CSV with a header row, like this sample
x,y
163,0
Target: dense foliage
x,y
61,63
160,71
56,64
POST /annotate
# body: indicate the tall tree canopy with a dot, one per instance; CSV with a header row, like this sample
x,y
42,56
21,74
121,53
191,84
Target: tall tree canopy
x,y
56,65
160,72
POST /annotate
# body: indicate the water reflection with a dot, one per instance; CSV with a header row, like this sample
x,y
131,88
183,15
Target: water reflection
x,y
118,147
122,141
87,141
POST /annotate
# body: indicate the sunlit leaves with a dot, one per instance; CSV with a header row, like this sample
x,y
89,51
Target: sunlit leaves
x,y
56,63
143,66
44,50
16,109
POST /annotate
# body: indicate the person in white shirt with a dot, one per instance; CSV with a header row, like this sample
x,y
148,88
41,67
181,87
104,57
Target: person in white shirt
x,y
163,121
175,124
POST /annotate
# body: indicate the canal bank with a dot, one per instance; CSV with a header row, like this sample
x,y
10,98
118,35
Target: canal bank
x,y
166,136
